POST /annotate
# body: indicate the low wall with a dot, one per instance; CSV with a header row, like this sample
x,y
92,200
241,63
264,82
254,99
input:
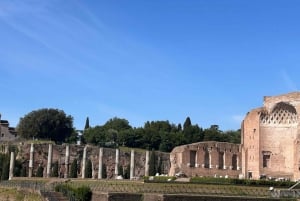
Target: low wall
x,y
173,197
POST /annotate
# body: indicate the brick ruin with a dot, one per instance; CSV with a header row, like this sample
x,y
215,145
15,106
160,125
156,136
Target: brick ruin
x,y
207,159
35,155
271,138
270,146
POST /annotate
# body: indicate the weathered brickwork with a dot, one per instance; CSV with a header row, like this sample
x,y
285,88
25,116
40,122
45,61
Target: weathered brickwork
x,y
271,138
41,152
207,159
7,133
270,146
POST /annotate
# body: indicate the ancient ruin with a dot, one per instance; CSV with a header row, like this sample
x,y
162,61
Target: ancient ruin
x,y
206,159
271,139
270,146
7,133
34,155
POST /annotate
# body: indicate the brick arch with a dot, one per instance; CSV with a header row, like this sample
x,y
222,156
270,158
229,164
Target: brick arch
x,y
281,114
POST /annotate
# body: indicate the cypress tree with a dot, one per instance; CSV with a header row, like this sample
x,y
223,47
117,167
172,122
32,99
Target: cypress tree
x,y
54,172
152,164
23,172
87,123
40,171
127,172
73,172
120,170
5,171
104,172
89,169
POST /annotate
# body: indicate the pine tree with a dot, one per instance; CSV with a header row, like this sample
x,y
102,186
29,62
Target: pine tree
x,y
89,169
73,172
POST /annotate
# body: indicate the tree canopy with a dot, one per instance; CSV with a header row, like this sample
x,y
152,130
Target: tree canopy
x,y
52,124
156,135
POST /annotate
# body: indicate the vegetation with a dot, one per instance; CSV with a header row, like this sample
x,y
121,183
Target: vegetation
x,y
104,171
245,182
54,172
50,124
157,135
7,194
88,169
82,193
74,168
40,171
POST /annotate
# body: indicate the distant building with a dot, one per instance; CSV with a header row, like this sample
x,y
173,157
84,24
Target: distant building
x,y
7,133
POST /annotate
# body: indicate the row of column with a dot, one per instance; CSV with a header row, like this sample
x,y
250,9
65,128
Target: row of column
x,y
206,157
67,160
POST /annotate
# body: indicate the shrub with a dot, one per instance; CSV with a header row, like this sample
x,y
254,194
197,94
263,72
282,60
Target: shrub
x,y
54,172
82,193
40,171
89,169
73,172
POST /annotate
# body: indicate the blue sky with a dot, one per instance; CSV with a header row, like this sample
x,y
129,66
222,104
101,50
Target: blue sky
x,y
147,60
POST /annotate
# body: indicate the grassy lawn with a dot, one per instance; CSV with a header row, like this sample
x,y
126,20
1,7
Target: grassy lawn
x,y
12,194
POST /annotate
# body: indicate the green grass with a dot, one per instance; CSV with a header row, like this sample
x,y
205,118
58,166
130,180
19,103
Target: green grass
x,y
10,194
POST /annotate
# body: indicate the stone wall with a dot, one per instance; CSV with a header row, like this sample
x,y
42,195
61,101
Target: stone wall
x,y
41,157
207,159
271,138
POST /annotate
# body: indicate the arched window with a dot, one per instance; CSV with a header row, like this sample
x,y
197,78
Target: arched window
x,y
282,113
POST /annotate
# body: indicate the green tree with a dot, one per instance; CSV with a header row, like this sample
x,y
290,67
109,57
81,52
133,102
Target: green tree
x,y
54,172
120,170
40,171
104,171
152,164
5,171
50,124
127,172
74,168
23,172
87,123
89,169
187,123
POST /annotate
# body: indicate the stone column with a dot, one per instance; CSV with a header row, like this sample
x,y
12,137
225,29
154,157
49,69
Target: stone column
x,y
196,159
147,163
132,165
83,162
67,160
6,149
100,163
31,160
117,163
49,162
11,165
210,165
237,162
224,160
